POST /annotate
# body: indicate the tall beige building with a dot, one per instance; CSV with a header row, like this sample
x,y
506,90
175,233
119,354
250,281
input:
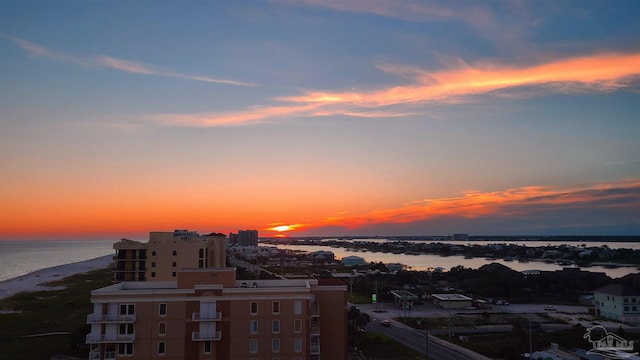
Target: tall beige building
x,y
166,253
205,313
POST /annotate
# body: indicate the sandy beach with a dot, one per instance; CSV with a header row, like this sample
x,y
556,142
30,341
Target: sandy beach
x,y
34,281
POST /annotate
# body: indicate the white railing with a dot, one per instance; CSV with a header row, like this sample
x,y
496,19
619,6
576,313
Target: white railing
x,y
108,355
315,310
315,349
206,317
197,336
100,338
99,319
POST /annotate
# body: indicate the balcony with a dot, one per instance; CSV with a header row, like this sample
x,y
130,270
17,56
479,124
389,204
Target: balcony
x,y
106,319
108,355
197,336
315,328
206,317
315,310
315,348
109,339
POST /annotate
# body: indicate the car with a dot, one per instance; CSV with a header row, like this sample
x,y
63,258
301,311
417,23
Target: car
x,y
385,323
550,308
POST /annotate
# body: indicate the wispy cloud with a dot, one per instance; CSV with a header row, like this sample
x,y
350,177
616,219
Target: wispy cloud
x,y
116,63
511,203
460,83
600,72
404,10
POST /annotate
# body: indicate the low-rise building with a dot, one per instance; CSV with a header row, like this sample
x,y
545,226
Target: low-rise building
x,y
618,302
451,301
353,261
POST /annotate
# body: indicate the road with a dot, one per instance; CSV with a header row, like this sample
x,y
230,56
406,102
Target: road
x,y
415,339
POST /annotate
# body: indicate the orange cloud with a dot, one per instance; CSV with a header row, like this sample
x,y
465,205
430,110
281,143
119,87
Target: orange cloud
x,y
511,202
601,72
227,119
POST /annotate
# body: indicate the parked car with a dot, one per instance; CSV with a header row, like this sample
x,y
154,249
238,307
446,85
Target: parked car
x,y
550,308
385,323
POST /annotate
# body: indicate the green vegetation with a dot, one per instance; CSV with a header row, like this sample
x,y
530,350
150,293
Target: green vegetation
x,y
31,315
372,346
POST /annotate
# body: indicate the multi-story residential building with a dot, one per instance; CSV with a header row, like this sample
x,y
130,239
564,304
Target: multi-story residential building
x,y
208,314
247,238
166,253
618,302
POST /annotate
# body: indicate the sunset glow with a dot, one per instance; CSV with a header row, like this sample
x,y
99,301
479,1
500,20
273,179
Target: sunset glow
x,y
319,118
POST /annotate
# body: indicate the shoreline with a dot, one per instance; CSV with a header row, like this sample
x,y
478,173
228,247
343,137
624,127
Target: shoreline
x,y
34,281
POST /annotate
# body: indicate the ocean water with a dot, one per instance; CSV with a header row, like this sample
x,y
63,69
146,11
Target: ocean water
x,y
19,258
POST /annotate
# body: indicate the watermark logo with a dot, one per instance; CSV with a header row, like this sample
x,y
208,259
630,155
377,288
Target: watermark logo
x,y
608,344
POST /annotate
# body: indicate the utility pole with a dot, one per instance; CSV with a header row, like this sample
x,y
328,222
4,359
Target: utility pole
x,y
426,338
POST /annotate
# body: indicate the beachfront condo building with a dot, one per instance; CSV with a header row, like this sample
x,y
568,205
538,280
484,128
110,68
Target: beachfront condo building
x,y
166,253
208,314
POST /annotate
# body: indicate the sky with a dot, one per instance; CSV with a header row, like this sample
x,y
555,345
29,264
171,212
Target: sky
x,y
319,118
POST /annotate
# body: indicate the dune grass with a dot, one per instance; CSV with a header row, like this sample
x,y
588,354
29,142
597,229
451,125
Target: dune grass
x,y
37,325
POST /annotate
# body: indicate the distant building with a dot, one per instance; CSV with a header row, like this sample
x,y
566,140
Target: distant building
x,y
395,267
451,301
166,253
322,255
353,261
618,302
461,237
247,238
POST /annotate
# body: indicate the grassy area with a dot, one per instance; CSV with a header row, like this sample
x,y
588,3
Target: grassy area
x,y
359,298
372,346
59,311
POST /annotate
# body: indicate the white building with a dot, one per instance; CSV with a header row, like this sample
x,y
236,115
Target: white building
x,y
618,302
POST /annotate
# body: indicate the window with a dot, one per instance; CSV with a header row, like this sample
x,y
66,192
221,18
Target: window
x,y
153,274
175,253
174,264
625,300
127,309
253,346
297,325
276,307
253,326
163,310
297,307
634,308
201,253
153,253
153,264
275,345
162,328
161,348
275,326
254,307
626,308
173,274
125,349
633,300
207,347
125,329
297,345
